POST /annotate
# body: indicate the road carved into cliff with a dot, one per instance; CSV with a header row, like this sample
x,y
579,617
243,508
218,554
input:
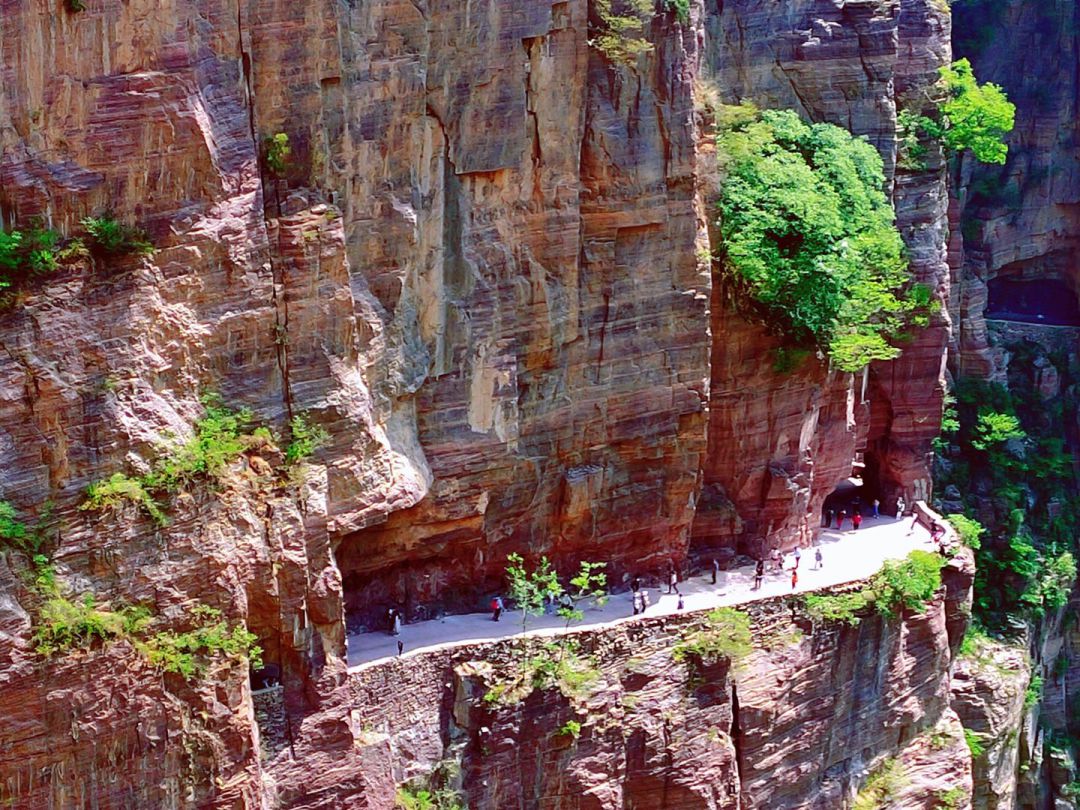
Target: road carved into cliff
x,y
847,556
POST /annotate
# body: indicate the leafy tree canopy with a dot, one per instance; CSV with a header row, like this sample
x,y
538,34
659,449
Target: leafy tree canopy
x,y
809,237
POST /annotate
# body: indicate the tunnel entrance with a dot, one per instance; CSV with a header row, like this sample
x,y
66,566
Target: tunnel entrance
x,y
1047,301
856,492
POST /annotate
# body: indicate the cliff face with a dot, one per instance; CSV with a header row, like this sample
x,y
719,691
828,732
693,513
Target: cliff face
x,y
797,724
482,272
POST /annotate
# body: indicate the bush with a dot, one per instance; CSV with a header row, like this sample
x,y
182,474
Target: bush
x,y
556,665
277,152
951,799
907,585
185,653
846,607
112,238
725,633
618,28
64,625
218,441
808,236
994,428
975,117
114,491
881,787
969,530
304,439
975,743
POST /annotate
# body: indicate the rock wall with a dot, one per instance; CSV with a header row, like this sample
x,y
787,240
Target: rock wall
x,y
780,441
797,724
1023,217
481,271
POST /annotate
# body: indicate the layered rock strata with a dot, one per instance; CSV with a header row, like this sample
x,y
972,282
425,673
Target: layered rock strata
x,y
481,270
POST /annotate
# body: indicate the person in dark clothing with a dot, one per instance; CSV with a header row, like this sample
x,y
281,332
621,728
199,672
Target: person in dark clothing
x,y
715,570
400,647
856,520
496,608
390,618
673,582
759,572
817,557
635,584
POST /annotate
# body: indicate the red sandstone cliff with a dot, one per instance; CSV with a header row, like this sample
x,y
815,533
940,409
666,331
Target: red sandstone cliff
x,y
481,274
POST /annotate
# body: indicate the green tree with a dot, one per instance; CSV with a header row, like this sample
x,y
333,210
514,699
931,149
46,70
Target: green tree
x,y
528,588
994,428
809,243
969,530
589,583
975,116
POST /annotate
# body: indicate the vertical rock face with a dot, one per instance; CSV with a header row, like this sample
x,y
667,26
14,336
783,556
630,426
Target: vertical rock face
x,y
1022,218
780,441
480,270
797,724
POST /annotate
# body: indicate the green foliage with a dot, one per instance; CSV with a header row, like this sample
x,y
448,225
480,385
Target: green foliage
x,y
422,797
589,583
911,154
33,252
975,117
725,633
571,728
951,799
219,439
74,6
681,9
1033,691
994,428
111,493
11,529
186,653
553,666
881,787
975,742
618,28
808,236
847,608
907,585
64,625
967,529
304,439
529,589
108,236
277,151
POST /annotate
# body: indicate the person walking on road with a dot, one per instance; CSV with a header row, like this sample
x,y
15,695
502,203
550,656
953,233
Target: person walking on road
x,y
856,521
877,508
798,556
840,519
390,621
715,570
681,603
817,558
637,602
794,578
673,581
635,584
396,627
496,608
644,600
400,647
900,507
759,572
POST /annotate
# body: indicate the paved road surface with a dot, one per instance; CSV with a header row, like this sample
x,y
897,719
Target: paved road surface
x,y
848,556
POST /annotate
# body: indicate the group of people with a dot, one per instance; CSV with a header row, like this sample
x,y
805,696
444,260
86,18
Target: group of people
x,y
855,515
777,558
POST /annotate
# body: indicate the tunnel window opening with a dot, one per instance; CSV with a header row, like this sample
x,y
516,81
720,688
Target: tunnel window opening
x,y
1046,301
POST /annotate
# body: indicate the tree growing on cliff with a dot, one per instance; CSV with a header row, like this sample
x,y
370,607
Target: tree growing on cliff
x,y
809,246
589,583
530,589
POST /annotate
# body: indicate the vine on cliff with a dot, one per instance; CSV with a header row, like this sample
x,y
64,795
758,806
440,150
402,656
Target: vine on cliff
x,y
808,240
